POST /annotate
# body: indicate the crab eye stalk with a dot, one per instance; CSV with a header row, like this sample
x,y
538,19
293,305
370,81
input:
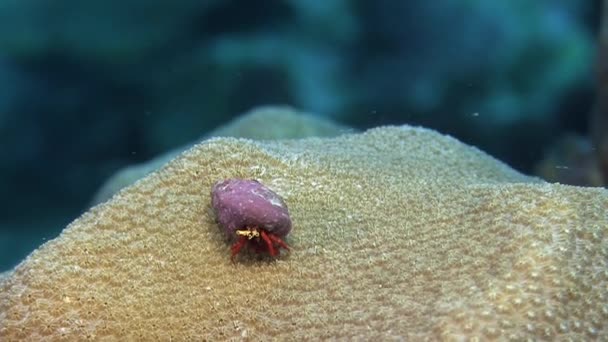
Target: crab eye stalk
x,y
250,214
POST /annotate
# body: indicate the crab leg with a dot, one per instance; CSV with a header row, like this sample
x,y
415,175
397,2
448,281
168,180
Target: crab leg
x,y
266,239
238,245
278,241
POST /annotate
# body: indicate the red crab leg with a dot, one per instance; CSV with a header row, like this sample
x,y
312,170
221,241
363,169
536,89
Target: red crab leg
x,y
266,239
278,241
238,245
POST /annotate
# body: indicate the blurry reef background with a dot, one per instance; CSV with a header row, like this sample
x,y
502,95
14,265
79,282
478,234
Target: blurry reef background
x,y
89,87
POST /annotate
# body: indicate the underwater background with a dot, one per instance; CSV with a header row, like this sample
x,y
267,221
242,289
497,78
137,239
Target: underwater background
x,y
91,87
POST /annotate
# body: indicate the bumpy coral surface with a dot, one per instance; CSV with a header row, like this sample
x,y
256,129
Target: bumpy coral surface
x,y
398,233
262,123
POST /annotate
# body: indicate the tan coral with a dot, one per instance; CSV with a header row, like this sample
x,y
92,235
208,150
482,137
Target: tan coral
x,y
398,233
262,123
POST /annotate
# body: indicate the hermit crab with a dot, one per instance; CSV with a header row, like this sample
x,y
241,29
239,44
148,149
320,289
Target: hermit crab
x,y
251,214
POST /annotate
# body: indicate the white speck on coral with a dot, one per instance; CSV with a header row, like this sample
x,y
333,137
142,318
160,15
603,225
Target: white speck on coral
x,y
258,169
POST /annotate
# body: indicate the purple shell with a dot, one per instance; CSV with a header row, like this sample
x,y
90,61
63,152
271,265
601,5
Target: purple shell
x,y
240,203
